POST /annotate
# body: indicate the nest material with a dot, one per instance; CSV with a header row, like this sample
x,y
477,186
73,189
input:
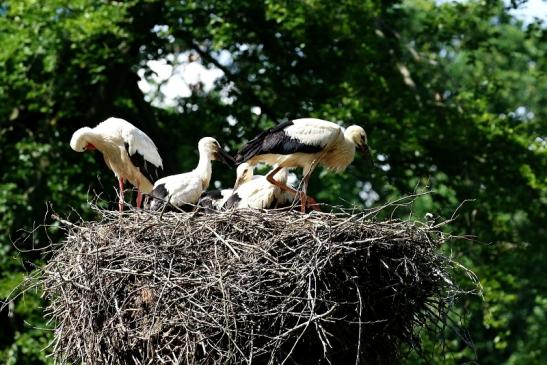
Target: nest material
x,y
244,287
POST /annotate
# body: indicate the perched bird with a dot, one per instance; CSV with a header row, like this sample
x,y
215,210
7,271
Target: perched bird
x,y
256,192
185,189
127,151
304,143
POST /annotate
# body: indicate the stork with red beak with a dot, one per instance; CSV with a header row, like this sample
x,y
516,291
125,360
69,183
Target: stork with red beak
x,y
127,151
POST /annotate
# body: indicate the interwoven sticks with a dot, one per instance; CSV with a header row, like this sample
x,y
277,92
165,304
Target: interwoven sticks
x,y
244,286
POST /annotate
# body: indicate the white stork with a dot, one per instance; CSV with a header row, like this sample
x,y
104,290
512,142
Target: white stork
x,y
127,151
256,192
304,143
185,189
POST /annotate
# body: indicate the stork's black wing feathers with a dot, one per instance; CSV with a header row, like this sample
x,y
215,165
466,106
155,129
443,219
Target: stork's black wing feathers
x,y
156,198
254,146
208,197
159,192
212,194
276,141
148,169
232,201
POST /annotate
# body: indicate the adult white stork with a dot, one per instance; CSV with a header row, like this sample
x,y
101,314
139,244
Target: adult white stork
x,y
185,189
127,151
304,143
256,192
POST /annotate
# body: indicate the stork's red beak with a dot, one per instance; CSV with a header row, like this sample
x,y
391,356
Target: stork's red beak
x,y
90,147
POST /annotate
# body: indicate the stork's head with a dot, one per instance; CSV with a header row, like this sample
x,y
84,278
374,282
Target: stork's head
x,y
80,140
210,147
357,135
244,173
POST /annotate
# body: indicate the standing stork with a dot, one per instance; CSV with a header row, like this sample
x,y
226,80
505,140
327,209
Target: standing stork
x,y
185,189
304,143
127,151
256,192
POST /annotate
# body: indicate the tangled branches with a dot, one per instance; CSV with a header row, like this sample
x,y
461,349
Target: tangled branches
x,y
244,286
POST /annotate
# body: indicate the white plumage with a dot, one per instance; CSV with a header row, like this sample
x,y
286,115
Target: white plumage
x,y
256,192
215,199
127,151
304,143
183,189
311,131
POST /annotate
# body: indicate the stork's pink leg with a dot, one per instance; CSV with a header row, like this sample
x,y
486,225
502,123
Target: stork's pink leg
x,y
282,186
303,200
139,198
121,201
307,201
303,196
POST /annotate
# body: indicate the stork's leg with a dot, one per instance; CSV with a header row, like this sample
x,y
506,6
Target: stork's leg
x,y
304,196
308,201
139,198
121,201
303,201
280,185
301,194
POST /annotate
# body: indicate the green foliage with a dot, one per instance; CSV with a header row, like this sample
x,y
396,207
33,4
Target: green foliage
x,y
453,98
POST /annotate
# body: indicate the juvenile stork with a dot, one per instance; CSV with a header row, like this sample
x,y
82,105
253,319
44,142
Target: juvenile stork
x,y
256,192
185,189
127,151
304,143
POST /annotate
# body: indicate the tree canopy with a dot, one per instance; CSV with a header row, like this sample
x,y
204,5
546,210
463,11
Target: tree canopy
x,y
453,97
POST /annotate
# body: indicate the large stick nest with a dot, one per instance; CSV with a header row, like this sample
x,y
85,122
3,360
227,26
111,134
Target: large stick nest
x,y
244,287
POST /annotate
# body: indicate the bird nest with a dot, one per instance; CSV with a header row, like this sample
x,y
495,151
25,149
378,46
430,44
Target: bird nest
x,y
245,286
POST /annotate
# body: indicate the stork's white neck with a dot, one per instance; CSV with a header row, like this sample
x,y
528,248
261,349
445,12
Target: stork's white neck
x,y
204,168
343,151
100,142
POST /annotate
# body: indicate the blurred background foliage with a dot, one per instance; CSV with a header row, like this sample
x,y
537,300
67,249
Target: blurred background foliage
x,y
452,95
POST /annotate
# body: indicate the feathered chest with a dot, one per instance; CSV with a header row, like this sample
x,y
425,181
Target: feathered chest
x,y
339,156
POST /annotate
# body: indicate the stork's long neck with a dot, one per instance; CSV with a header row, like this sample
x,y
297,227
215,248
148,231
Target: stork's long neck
x,y
100,142
204,168
343,151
